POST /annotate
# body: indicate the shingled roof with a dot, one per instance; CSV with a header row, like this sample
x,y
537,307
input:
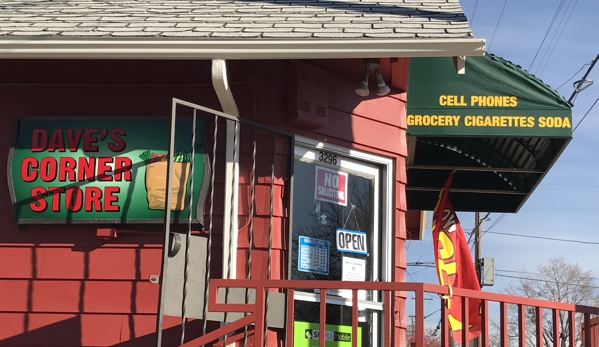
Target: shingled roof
x,y
250,21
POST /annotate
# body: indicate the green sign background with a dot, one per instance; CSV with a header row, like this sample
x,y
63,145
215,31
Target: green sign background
x,y
434,81
139,136
303,335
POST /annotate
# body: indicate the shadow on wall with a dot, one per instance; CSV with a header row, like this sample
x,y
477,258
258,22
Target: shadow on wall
x,y
68,333
71,288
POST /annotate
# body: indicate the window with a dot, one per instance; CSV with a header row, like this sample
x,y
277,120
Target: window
x,y
340,231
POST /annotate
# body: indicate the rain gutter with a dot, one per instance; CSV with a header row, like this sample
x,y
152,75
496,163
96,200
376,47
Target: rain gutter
x,y
230,227
97,48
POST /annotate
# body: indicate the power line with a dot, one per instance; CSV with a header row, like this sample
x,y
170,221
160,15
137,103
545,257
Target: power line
x,y
529,273
422,264
585,115
558,38
546,238
429,294
559,7
546,281
496,26
569,179
473,12
495,223
478,226
569,79
578,84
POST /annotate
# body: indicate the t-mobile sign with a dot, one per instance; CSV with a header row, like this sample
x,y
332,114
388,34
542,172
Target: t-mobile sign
x,y
331,186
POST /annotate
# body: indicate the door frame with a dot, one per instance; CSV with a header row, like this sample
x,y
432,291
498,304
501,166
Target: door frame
x,y
384,201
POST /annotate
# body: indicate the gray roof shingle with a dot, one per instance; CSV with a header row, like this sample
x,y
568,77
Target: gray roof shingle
x,y
253,19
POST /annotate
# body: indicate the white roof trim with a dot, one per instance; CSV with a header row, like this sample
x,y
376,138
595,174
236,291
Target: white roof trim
x,y
41,48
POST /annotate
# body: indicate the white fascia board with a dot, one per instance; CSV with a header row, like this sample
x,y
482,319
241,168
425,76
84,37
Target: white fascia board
x,y
237,49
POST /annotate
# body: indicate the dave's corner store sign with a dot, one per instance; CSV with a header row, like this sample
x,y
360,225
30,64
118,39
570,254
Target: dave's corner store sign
x,y
493,98
105,170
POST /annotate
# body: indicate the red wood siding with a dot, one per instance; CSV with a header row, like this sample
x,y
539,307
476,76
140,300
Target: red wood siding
x,y
63,286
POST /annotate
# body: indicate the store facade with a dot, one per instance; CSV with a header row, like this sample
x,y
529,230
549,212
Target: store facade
x,y
283,169
84,235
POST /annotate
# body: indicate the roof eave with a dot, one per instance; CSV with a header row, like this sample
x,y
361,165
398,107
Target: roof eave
x,y
139,48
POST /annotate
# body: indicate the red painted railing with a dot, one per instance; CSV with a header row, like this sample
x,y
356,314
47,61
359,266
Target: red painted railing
x,y
594,333
255,312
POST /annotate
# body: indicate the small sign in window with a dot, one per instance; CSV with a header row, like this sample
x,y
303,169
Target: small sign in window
x,y
313,255
351,241
331,186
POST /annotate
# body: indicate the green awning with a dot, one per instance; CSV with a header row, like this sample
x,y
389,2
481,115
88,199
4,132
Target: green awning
x,y
498,126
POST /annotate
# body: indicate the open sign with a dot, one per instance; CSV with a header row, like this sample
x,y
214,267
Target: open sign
x,y
351,241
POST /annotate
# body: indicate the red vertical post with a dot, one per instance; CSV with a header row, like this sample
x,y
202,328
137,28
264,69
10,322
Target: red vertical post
x,y
388,318
444,326
465,320
259,312
521,326
556,328
323,318
571,329
587,330
419,294
290,316
354,317
539,319
503,334
485,323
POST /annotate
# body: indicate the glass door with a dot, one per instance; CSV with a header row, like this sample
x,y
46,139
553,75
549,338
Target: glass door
x,y
336,236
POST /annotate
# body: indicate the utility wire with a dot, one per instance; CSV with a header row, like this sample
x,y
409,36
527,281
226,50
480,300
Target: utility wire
x,y
553,37
494,223
473,12
576,73
585,115
529,273
496,26
546,281
559,7
546,238
576,88
421,263
429,294
478,226
558,37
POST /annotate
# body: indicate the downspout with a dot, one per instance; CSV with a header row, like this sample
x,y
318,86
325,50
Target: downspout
x,y
227,102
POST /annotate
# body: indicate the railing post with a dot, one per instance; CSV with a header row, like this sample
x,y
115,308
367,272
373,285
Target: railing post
x,y
354,318
485,323
259,312
556,328
419,294
290,317
323,318
388,317
571,329
522,326
465,319
503,334
587,330
444,326
539,319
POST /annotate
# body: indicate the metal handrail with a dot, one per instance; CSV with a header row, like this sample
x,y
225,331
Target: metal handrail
x,y
257,310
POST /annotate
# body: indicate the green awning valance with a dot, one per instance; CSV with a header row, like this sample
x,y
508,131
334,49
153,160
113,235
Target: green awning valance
x,y
493,98
500,127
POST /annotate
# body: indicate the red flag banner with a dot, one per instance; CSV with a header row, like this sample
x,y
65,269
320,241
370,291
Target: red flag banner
x,y
454,265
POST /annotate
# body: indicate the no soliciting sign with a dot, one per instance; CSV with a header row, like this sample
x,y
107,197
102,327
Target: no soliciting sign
x,y
331,186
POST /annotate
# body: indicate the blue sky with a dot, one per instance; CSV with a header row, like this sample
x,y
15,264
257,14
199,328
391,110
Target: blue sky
x,y
564,205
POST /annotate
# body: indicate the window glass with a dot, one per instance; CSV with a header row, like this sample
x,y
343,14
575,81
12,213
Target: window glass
x,y
336,236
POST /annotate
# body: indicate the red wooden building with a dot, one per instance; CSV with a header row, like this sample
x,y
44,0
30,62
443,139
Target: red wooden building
x,y
283,168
